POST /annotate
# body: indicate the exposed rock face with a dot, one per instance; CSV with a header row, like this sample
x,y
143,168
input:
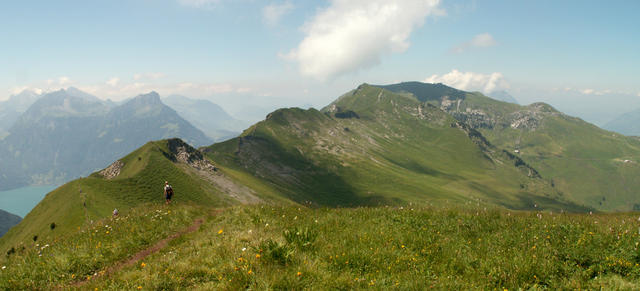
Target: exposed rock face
x,y
112,170
199,163
183,153
529,118
475,117
525,120
447,105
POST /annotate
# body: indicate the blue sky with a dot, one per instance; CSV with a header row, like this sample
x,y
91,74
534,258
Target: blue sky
x,y
576,55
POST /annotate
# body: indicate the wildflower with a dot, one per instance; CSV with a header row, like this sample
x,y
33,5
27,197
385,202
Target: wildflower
x,y
299,274
107,232
142,265
244,249
139,287
249,272
4,267
220,231
257,256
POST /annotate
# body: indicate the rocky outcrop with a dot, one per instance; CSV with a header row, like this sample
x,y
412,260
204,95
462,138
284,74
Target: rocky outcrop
x,y
525,120
182,152
199,163
112,170
475,118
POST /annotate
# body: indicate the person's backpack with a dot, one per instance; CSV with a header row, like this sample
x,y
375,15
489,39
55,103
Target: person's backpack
x,y
169,190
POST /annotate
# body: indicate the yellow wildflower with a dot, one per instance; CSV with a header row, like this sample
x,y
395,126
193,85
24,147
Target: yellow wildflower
x,y
220,231
142,265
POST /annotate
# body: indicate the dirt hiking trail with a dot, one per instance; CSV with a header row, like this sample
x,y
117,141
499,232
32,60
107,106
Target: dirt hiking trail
x,y
159,245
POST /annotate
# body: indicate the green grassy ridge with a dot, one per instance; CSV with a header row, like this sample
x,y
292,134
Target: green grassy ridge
x,y
394,150
585,163
470,247
52,263
84,200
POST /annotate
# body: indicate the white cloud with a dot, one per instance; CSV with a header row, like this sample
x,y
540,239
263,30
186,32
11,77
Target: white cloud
x,y
481,40
198,3
113,81
587,91
118,89
353,34
17,90
591,91
470,81
272,13
148,76
64,81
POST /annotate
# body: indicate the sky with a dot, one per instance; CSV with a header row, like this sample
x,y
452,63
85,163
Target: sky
x,y
583,57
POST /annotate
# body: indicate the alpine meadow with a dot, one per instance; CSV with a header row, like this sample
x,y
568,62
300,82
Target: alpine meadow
x,y
243,145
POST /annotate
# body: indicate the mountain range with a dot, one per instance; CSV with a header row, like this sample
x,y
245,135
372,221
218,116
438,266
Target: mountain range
x,y
375,145
7,220
209,117
11,109
69,133
627,123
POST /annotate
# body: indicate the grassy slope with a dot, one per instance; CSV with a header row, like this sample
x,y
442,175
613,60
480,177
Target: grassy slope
x,y
274,247
393,153
140,181
584,162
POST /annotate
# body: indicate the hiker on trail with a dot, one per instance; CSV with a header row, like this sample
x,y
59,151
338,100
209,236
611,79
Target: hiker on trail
x,y
168,192
115,212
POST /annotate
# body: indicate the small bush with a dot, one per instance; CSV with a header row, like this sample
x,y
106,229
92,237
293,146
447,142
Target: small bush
x,y
275,252
302,238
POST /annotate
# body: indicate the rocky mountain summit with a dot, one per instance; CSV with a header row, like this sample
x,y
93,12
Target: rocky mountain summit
x,y
69,133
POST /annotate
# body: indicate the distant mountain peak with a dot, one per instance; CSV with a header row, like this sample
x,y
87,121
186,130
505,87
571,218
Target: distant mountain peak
x,y
502,96
151,96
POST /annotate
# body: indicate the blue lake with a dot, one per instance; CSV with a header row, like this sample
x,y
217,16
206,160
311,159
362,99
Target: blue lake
x,y
20,201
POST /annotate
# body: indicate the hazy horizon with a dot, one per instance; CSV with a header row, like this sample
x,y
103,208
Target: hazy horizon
x,y
580,57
